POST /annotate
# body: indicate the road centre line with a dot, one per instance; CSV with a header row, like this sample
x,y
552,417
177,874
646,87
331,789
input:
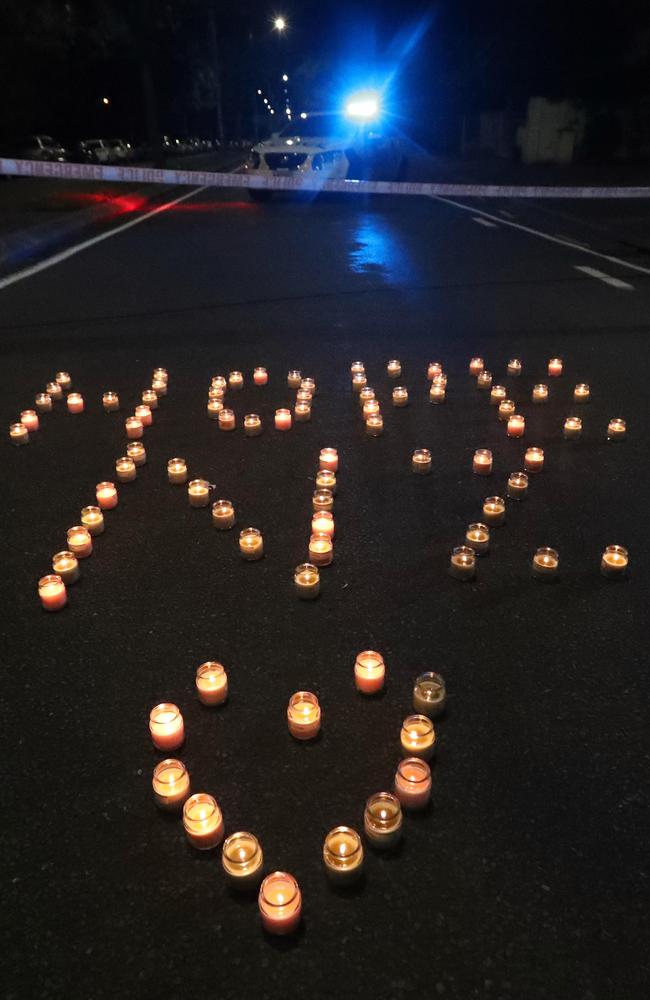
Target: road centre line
x,y
484,222
601,276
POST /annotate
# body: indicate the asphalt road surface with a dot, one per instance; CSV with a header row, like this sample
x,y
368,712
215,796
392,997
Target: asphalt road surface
x,y
529,876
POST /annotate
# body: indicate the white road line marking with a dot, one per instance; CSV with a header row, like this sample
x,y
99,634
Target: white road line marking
x,y
544,236
607,278
57,258
484,222
578,243
506,215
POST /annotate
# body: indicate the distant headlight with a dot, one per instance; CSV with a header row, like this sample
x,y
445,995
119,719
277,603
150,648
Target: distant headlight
x,y
254,159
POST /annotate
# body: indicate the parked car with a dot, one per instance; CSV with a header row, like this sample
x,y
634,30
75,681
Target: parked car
x,y
39,147
95,151
121,150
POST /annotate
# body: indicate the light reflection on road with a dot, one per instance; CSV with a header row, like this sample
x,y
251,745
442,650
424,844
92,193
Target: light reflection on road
x,y
377,249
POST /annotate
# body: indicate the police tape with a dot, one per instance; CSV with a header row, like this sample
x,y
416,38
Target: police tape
x,y
296,182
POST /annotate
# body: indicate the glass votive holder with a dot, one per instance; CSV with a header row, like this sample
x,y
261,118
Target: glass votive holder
x,y
369,672
203,821
280,903
343,856
382,820
110,402
214,408
294,378
134,428
177,470
160,374
283,420
322,523
302,396
242,860
223,515
484,380
75,402
260,376
440,379
534,459
166,726
394,369
93,520
421,461
54,391
198,492
137,451
616,429
476,366
434,368
321,550
302,412
323,500
150,399
555,367
482,462
375,425
359,380
308,385
437,392
514,367
125,470
252,425
413,783
251,544
18,434
357,368
462,564
581,393
80,542
52,592
614,561
326,480
235,381
29,419
517,485
66,565
144,414
43,402
494,510
572,428
540,393
306,581
304,715
159,387
506,409
418,737
429,695
211,683
227,420
400,395
64,380
497,394
477,537
546,563
370,407
217,393
219,382
171,784
516,426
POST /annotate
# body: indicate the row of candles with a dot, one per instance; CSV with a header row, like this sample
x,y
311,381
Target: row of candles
x,y
242,858
283,419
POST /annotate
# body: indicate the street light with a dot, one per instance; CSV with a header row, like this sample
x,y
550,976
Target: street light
x,y
106,100
279,24
285,78
363,107
259,92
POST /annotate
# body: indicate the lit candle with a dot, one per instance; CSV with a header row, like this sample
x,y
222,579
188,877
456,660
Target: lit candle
x,y
322,523
54,390
477,537
260,376
242,860
306,579
484,380
429,695
482,462
326,480
29,419
134,428
421,461
369,672
370,407
329,459
235,381
161,375
614,561
545,563
343,856
18,434
251,544
382,820
517,485
252,425
555,367
92,519
171,784
283,420
219,382
203,821
516,426
214,408
216,393
110,402
302,412
66,565
308,385
125,469
375,425
75,402
514,367
534,459
223,515
366,394
413,783
359,380
462,564
227,420
211,683
166,726
581,393
159,387
394,369
177,470
323,500
294,378
303,715
137,451
476,366
280,903
572,428
497,394
540,393
63,379
52,592
150,399
79,541
616,429
198,493
321,550
437,392
434,368
400,395
494,510
302,396
440,379
43,402
418,737
506,409
144,415
357,368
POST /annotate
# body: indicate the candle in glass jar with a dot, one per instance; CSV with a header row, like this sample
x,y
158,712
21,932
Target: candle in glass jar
x,y
572,428
92,519
429,695
134,428
375,425
437,392
359,380
462,564
343,856
616,429
63,379
329,459
177,470
308,385
304,715
477,537
434,368
482,462
421,461
219,382
294,378
540,393
517,485
614,561
534,459
382,820
366,394
306,580
369,672
251,544
280,903
80,542
214,408
484,379
413,783
283,420
54,390
514,367
211,683
323,500
476,366
506,409
29,419
321,550
516,426
494,510
302,412
161,374
18,434
75,402
198,493
235,380
555,367
394,369
150,399
260,376
166,726
497,394
125,469
66,565
357,368
545,563
400,395
137,451
370,407
52,592
216,393
203,821
252,425
110,402
144,415
227,420
159,387
322,523
418,737
302,396
581,393
223,515
242,860
43,402
326,480
171,784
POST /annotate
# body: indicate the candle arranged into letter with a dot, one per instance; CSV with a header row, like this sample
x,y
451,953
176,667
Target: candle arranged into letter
x,y
429,695
283,420
382,820
198,493
555,367
462,564
52,592
413,783
280,903
203,821
494,510
134,428
517,485
137,451
79,541
43,402
614,561
400,395
177,470
369,672
92,519
516,426
251,544
75,402
211,683
482,462
616,429
252,425
242,860
343,855
223,515
171,784
394,369
125,469
540,393
106,494
418,737
18,434
545,563
572,428
29,419
260,376
477,537
306,580
304,715
166,726
66,565
421,461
